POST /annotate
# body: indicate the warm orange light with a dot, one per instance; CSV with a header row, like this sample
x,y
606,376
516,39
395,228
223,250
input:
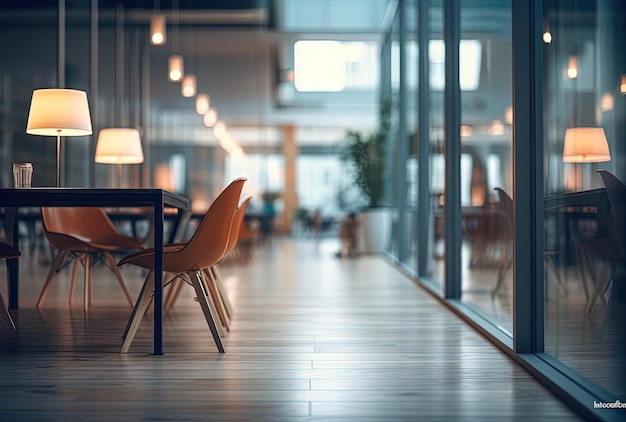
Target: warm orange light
x,y
497,128
176,69
467,130
607,103
188,87
202,104
547,37
585,145
508,115
157,30
572,67
210,118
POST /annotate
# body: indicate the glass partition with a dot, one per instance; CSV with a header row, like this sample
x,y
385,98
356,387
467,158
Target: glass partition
x,y
584,115
433,273
486,167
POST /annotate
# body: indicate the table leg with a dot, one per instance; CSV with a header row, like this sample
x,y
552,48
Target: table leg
x,y
13,265
158,276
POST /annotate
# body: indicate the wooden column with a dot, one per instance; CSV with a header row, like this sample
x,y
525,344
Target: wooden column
x,y
289,196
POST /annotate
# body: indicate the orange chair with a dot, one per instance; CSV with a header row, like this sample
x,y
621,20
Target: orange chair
x,y
7,252
205,249
82,233
214,282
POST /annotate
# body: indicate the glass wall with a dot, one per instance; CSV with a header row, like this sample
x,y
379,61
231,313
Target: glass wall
x,y
486,168
550,290
584,131
433,270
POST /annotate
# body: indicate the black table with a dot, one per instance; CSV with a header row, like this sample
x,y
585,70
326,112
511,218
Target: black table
x,y
157,199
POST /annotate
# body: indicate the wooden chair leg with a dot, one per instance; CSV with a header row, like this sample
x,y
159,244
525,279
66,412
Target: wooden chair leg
x,y
550,264
584,266
173,294
56,264
222,290
5,313
113,266
606,316
600,285
87,287
501,273
198,285
139,310
173,283
73,280
217,300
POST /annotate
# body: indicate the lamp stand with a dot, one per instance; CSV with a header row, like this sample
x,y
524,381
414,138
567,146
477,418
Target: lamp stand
x,y
58,158
118,181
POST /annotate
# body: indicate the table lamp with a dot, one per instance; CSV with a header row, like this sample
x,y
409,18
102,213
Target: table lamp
x,y
119,146
585,145
59,112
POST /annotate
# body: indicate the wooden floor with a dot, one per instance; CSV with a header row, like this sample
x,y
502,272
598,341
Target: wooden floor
x,y
314,338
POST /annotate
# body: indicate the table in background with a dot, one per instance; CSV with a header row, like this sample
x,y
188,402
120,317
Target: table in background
x,y
157,199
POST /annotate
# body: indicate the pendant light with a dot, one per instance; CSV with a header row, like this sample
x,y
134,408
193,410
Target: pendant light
x,y
176,70
202,104
188,87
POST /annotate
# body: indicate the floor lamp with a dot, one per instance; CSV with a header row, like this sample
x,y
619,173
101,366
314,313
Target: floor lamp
x,y
59,112
585,145
119,146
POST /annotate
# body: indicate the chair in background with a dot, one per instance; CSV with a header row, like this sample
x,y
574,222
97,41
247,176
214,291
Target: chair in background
x,y
82,233
213,273
611,250
205,248
246,241
214,281
7,252
506,202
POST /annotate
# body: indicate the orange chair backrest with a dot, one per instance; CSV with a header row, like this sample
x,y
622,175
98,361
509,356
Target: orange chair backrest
x,y
85,223
208,244
236,225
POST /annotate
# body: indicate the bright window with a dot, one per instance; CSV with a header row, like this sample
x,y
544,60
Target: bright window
x,y
470,56
331,66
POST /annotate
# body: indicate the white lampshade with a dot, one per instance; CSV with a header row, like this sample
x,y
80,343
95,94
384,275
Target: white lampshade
x,y
202,104
175,68
119,146
157,30
585,145
188,86
62,112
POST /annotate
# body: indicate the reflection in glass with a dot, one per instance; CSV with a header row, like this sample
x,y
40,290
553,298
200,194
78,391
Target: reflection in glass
x,y
486,174
584,129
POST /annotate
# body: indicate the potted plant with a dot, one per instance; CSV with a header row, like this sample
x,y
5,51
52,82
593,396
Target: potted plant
x,y
366,155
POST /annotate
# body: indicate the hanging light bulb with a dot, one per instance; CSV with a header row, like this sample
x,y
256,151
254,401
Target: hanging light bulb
x,y
176,69
547,37
497,128
606,102
210,118
508,115
219,130
572,67
622,87
188,86
157,30
202,104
